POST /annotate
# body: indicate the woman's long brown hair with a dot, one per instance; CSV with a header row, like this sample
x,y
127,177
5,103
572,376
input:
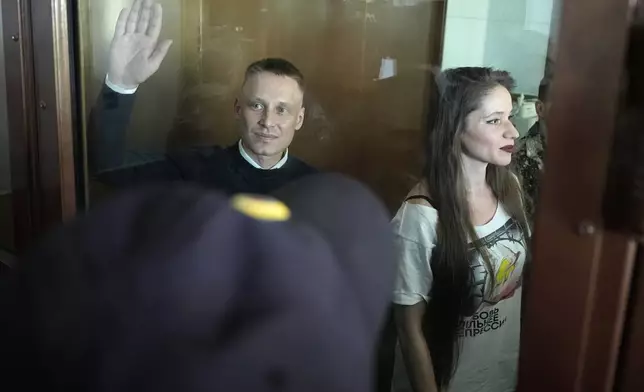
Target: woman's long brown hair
x,y
457,93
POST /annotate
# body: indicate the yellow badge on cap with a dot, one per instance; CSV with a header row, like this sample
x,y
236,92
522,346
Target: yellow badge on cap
x,y
261,208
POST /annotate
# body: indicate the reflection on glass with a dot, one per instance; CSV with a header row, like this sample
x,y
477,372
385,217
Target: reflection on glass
x,y
6,211
366,65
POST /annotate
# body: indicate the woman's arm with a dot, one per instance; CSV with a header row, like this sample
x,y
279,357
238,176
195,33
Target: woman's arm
x,y
418,361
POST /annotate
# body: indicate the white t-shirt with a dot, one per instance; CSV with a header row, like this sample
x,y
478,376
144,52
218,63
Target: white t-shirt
x,y
489,338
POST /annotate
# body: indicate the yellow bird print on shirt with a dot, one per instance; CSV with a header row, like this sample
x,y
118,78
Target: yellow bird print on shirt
x,y
506,269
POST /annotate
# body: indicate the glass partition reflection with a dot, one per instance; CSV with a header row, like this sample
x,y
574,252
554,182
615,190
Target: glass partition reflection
x,y
368,66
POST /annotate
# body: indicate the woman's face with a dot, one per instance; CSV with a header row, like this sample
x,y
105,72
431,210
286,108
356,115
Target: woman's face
x,y
489,135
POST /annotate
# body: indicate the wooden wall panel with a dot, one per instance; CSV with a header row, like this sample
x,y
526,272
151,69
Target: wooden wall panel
x,y
38,64
581,273
625,202
21,116
357,125
631,368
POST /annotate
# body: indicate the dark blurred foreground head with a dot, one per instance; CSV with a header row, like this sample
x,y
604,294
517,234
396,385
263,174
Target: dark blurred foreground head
x,y
180,289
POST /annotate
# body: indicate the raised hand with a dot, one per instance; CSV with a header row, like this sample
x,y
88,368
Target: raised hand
x,y
135,52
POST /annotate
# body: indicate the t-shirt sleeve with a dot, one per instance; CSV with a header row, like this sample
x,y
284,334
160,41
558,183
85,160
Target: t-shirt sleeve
x,y
414,275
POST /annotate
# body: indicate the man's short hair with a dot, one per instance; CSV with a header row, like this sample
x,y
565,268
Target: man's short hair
x,y
276,66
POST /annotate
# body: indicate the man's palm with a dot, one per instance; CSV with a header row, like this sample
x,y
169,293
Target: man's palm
x,y
135,53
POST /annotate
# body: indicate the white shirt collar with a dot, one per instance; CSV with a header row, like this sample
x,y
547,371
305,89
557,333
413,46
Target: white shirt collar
x,y
250,160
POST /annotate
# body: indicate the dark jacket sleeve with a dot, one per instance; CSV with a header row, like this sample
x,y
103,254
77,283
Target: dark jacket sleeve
x,y
108,160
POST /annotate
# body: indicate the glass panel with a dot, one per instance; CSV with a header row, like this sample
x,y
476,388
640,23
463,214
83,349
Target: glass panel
x,y
368,66
6,209
467,298
365,64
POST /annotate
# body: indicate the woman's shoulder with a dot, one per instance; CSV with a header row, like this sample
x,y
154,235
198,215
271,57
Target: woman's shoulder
x,y
419,195
416,218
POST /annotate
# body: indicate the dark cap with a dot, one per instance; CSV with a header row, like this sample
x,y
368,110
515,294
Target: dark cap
x,y
181,289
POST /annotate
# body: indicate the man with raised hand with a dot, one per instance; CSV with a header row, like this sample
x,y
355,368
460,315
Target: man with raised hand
x,y
269,109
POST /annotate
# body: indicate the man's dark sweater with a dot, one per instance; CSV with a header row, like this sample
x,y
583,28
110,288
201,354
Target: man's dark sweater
x,y
214,167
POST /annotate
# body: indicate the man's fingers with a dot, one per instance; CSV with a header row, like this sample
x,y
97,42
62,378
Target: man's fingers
x,y
121,22
156,21
133,19
159,53
144,18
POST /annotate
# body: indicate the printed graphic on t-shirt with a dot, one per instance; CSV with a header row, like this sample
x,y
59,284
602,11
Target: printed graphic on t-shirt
x,y
506,248
484,321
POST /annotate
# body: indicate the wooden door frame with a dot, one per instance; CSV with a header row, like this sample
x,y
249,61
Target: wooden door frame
x,y
629,375
40,114
56,118
21,112
581,273
625,201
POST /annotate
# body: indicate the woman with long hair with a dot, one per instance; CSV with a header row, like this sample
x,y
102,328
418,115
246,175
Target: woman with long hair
x,y
462,244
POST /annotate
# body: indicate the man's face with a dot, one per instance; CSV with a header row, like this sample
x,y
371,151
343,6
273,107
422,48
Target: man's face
x,y
270,110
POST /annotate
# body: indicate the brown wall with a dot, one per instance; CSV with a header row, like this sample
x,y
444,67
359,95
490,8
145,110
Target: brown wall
x,y
355,124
